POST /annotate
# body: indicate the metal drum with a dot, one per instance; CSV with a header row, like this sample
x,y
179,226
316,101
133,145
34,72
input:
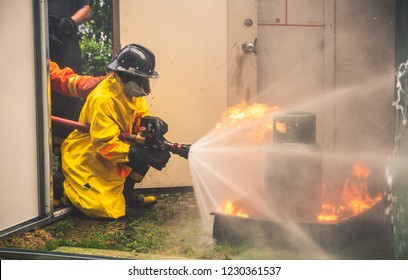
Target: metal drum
x,y
294,167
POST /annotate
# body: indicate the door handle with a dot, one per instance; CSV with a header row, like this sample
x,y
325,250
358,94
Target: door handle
x,y
249,47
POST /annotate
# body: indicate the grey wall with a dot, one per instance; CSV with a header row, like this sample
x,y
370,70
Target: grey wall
x,y
334,58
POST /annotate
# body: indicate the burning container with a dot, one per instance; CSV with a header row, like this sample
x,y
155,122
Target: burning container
x,y
284,215
294,167
365,236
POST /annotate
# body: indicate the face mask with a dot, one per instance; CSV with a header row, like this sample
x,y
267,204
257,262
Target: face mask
x,y
133,89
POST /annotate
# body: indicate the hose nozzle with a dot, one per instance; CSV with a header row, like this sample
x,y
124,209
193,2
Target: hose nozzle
x,y
179,149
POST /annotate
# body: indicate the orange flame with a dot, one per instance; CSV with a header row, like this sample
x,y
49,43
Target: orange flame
x,y
229,209
355,198
243,112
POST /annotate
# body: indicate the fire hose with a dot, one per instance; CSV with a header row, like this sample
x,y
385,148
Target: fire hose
x,y
142,138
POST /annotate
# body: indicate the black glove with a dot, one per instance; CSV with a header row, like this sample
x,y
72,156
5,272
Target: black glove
x,y
53,22
55,42
66,27
140,158
155,126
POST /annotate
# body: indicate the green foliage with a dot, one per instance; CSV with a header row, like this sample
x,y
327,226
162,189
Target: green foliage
x,y
59,242
97,39
147,237
61,227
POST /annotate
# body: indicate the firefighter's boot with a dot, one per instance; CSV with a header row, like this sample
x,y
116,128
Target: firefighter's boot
x,y
133,200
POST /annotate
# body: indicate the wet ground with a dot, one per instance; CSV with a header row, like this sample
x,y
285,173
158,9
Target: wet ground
x,y
170,229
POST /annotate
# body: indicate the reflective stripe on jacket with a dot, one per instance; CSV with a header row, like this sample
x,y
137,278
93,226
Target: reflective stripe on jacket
x,y
66,82
94,163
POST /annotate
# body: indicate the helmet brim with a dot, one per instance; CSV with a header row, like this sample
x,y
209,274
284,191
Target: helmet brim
x,y
114,66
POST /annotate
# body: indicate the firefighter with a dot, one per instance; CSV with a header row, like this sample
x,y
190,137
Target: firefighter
x,y
67,83
64,17
100,169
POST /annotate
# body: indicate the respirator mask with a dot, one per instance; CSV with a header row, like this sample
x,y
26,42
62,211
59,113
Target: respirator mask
x,y
137,87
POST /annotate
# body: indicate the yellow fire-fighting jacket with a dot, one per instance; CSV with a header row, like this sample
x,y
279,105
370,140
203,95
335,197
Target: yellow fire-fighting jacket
x,y
94,163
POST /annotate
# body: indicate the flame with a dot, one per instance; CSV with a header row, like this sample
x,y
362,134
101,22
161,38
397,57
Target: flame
x,y
242,112
355,197
238,116
229,209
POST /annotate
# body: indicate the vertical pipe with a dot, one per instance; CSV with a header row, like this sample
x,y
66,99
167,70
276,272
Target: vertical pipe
x,y
42,108
116,28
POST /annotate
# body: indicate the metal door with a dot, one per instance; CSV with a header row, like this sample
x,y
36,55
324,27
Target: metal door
x,y
24,145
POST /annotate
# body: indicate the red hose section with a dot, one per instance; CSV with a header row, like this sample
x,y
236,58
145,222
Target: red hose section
x,y
85,128
70,123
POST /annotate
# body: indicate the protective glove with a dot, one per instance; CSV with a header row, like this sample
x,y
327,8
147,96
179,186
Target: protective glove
x,y
140,158
155,126
66,27
55,42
